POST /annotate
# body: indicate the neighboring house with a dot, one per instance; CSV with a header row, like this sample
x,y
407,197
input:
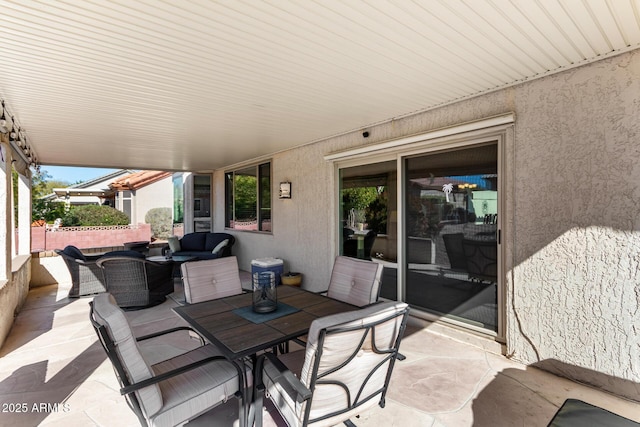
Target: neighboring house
x,y
133,193
93,192
137,193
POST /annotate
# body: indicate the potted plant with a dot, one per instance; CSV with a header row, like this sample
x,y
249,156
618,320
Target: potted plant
x,y
291,278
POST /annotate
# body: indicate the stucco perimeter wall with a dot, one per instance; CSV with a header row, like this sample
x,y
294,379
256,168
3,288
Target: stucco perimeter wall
x,y
13,293
571,221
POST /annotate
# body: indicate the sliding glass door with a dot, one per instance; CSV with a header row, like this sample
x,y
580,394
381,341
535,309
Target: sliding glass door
x,y
436,234
451,234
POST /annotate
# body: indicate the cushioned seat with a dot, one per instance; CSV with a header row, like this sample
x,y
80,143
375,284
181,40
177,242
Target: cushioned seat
x,y
171,392
344,371
202,245
355,281
211,279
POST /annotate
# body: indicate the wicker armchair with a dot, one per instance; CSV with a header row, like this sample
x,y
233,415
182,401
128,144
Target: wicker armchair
x,y
135,282
86,276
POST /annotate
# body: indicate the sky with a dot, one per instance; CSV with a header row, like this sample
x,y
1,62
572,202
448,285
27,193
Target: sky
x,y
73,174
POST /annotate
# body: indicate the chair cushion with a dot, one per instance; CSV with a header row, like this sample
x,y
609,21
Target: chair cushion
x,y
337,348
193,242
107,313
125,253
220,246
211,279
355,281
196,391
214,239
174,244
74,252
198,254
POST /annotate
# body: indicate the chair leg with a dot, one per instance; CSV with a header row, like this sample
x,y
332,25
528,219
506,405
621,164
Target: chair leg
x,y
349,423
401,356
284,347
256,407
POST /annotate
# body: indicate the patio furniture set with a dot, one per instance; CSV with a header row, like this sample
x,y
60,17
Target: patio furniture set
x,y
350,348
135,280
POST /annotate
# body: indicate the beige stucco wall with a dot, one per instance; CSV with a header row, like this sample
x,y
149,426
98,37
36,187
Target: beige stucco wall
x,y
572,216
155,195
13,293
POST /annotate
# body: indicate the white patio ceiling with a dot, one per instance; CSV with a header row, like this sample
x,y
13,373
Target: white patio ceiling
x,y
197,85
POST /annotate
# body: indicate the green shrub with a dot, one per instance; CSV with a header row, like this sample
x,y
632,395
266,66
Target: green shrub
x,y
92,215
161,222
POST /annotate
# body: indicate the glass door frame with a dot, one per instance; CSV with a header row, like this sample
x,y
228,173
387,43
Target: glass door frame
x,y
500,134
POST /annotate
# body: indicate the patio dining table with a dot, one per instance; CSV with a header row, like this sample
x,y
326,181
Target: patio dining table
x,y
238,332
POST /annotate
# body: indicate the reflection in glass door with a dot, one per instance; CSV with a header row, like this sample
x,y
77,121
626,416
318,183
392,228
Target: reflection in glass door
x,y
201,203
451,236
369,216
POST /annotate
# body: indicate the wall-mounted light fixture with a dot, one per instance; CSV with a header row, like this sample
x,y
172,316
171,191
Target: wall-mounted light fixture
x,y
285,190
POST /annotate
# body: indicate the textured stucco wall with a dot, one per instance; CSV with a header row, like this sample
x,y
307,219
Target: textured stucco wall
x,y
155,195
13,293
577,243
571,220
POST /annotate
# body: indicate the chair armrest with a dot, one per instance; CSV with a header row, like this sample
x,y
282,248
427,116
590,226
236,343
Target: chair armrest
x,y
165,332
284,375
87,262
162,377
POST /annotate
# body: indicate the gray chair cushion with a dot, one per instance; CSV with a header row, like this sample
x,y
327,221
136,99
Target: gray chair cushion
x,y
194,392
211,279
336,350
355,281
108,314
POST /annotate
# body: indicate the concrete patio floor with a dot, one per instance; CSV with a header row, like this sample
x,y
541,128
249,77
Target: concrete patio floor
x,y
52,357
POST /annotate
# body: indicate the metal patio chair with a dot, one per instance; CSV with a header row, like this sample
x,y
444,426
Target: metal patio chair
x,y
344,371
171,392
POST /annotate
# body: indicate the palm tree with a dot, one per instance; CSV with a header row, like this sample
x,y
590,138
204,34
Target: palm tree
x,y
447,188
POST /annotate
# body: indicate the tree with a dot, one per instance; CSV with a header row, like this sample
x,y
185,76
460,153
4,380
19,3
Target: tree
x,y
41,185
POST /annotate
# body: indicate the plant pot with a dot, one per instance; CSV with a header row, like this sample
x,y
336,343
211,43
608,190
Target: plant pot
x,y
291,279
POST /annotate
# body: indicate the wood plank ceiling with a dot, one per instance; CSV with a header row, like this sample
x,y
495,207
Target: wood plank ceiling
x,y
197,85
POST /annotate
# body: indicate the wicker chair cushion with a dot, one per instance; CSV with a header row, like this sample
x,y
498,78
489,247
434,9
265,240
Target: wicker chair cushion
x,y
74,252
355,281
214,239
193,242
127,253
174,244
107,313
211,279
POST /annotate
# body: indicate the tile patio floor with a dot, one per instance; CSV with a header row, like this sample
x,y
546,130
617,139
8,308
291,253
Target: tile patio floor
x,y
52,356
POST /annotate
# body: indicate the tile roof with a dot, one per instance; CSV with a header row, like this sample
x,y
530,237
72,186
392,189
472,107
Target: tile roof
x,y
138,179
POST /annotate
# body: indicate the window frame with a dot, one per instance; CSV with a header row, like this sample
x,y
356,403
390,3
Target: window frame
x,y
261,209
